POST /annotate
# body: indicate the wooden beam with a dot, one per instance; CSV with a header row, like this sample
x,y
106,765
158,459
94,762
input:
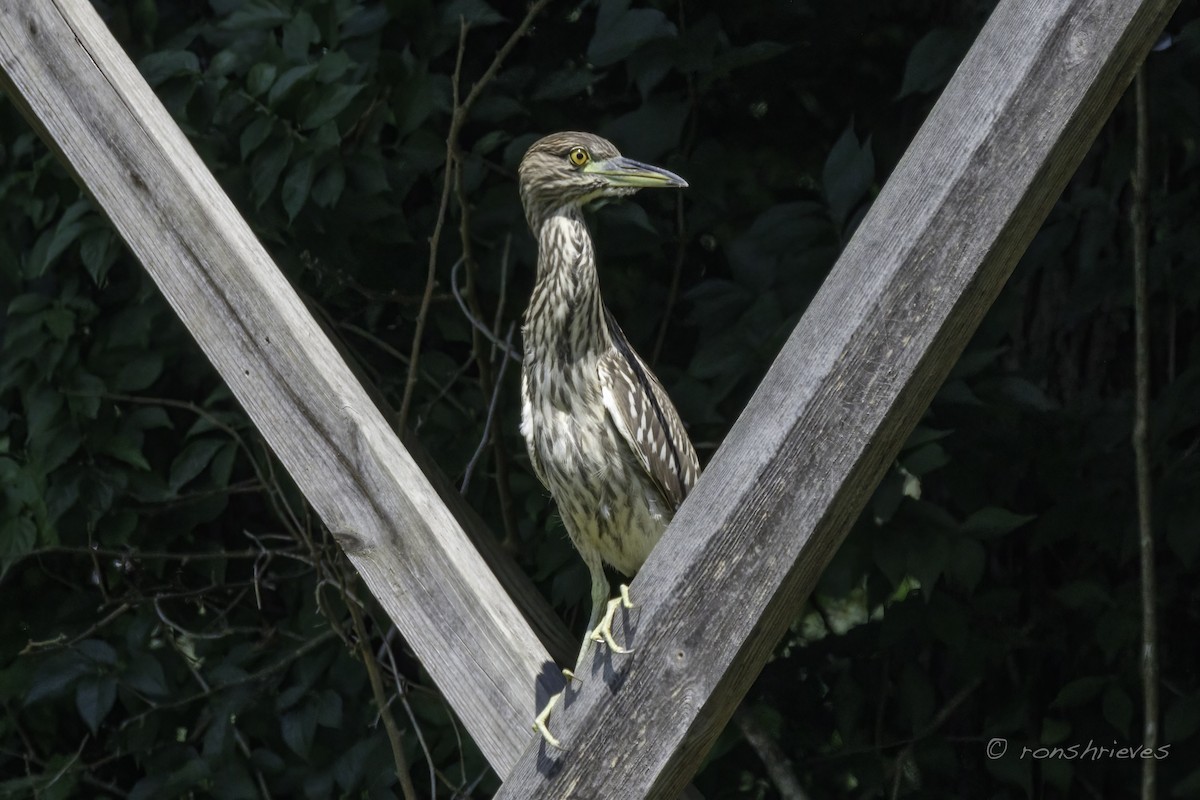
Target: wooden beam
x,y
860,368
76,85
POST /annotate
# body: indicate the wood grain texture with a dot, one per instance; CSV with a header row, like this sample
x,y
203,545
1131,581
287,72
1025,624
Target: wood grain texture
x,y
765,518
74,83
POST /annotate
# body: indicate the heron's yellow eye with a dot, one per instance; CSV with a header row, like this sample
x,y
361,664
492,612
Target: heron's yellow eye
x,y
579,157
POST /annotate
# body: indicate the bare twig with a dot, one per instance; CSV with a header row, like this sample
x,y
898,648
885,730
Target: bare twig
x,y
508,512
477,323
778,765
385,713
676,272
483,360
385,650
461,110
282,663
939,719
500,301
1141,433
491,414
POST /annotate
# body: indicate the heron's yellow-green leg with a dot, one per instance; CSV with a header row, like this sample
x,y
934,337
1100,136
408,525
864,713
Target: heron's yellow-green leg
x,y
603,631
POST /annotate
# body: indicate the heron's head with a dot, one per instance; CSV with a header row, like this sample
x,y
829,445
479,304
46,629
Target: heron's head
x,y
571,169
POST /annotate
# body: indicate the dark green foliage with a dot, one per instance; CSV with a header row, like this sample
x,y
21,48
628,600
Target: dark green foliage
x,y
173,620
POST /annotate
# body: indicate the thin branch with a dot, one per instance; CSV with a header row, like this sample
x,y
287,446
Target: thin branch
x,y
385,649
1141,433
476,323
939,719
483,360
385,713
410,382
778,765
508,512
491,414
500,301
280,664
458,117
676,272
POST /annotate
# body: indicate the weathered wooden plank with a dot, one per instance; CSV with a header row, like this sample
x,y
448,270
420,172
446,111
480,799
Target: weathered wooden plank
x,y
77,86
860,368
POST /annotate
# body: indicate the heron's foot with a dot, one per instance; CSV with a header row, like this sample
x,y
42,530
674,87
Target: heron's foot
x,y
539,722
603,631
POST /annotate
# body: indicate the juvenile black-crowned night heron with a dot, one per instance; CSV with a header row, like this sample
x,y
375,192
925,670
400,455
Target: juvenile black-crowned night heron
x,y
602,433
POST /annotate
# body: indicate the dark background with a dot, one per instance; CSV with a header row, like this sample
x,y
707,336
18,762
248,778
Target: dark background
x,y
172,616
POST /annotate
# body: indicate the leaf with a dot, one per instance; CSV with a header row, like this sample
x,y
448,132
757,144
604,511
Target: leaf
x,y
328,187
260,78
967,564
621,30
326,103
139,373
255,134
27,303
255,14
94,698
51,244
60,322
329,709
990,522
124,449
193,460
932,61
298,33
333,65
18,535
1182,719
97,651
98,251
298,727
848,174
145,675
296,186
144,418
738,57
268,166
52,449
223,64
42,405
651,130
1054,731
1117,708
165,64
562,84
1080,691
1026,393
287,82
925,459
477,14
222,464
721,355
1083,594
54,675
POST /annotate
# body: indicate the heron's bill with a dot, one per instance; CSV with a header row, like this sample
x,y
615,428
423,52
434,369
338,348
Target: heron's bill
x,y
621,171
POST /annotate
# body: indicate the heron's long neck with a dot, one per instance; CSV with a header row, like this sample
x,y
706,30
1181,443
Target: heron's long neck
x,y
565,318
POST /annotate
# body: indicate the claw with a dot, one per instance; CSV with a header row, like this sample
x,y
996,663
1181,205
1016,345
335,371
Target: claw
x,y
603,631
539,722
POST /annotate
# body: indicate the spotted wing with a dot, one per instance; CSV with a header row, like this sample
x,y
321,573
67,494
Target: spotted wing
x,y
646,419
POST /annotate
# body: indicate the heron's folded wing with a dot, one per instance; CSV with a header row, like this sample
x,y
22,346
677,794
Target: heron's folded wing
x,y
647,420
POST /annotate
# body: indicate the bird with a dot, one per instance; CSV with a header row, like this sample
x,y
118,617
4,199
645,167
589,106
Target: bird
x,y
603,435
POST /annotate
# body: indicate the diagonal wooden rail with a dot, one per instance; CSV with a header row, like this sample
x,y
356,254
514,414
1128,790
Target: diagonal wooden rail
x,y
860,368
74,83
767,516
